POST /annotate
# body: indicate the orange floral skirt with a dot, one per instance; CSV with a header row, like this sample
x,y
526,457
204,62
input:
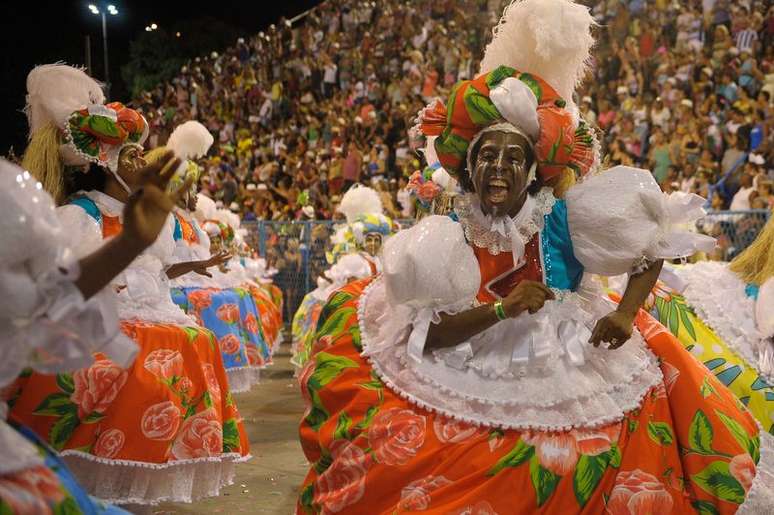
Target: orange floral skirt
x,y
270,308
166,428
690,447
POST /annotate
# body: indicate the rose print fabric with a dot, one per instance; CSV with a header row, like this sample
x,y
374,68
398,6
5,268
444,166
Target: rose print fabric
x,y
268,299
171,407
671,309
303,328
231,314
689,448
47,489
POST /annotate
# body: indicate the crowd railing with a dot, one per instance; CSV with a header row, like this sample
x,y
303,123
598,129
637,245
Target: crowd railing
x,y
298,249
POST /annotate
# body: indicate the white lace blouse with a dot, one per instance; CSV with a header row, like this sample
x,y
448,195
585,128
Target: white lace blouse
x,y
533,371
45,323
143,288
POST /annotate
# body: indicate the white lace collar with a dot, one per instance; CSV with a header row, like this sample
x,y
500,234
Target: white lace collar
x,y
504,234
107,204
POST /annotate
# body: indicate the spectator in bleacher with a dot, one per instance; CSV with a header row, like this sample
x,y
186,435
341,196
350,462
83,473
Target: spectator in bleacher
x,y
350,75
741,200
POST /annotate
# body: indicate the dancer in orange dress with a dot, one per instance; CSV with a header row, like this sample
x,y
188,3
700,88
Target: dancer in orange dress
x,y
477,374
56,312
224,233
348,268
230,313
166,428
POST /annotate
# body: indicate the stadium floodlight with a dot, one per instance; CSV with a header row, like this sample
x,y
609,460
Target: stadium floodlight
x,y
113,10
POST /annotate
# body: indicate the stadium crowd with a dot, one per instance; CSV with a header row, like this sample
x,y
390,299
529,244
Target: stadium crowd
x,y
303,111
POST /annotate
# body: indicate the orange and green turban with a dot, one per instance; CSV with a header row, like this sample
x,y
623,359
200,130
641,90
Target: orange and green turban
x,y
98,132
522,100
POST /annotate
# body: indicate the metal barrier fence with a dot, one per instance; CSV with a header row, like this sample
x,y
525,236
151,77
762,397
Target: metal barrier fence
x,y
297,249
734,230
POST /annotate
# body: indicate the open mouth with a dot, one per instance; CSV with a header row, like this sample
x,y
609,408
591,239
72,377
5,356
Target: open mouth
x,y
497,190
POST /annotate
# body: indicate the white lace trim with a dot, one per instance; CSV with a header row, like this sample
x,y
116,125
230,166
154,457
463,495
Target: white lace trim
x,y
719,299
135,482
760,498
478,227
242,379
610,384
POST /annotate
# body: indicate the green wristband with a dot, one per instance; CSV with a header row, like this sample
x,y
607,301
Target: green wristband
x,y
500,310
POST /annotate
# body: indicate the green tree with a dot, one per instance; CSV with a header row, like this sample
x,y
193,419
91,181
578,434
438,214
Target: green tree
x,y
157,56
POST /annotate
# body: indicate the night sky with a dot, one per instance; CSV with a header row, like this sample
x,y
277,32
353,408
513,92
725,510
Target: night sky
x,y
40,32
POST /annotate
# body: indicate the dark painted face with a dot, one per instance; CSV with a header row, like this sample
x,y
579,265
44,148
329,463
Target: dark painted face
x,y
373,243
129,161
500,170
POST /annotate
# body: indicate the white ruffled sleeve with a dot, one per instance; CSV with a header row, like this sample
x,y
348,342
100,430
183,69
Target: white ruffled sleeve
x,y
164,246
84,232
45,322
182,252
144,293
428,269
619,220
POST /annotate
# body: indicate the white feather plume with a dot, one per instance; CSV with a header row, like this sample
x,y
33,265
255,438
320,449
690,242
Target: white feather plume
x,y
225,216
349,266
340,235
54,91
190,140
360,200
550,38
205,208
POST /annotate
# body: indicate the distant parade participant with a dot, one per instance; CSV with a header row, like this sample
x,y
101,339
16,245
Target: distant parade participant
x,y
367,224
166,427
723,314
56,310
230,313
477,374
356,243
348,268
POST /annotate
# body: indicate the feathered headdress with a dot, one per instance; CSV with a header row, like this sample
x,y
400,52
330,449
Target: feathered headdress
x,y
548,38
228,218
54,92
360,200
528,77
190,140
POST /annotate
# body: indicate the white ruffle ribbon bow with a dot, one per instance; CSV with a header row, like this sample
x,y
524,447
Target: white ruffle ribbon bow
x,y
674,214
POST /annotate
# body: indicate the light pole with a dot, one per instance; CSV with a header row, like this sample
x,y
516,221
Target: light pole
x,y
106,9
